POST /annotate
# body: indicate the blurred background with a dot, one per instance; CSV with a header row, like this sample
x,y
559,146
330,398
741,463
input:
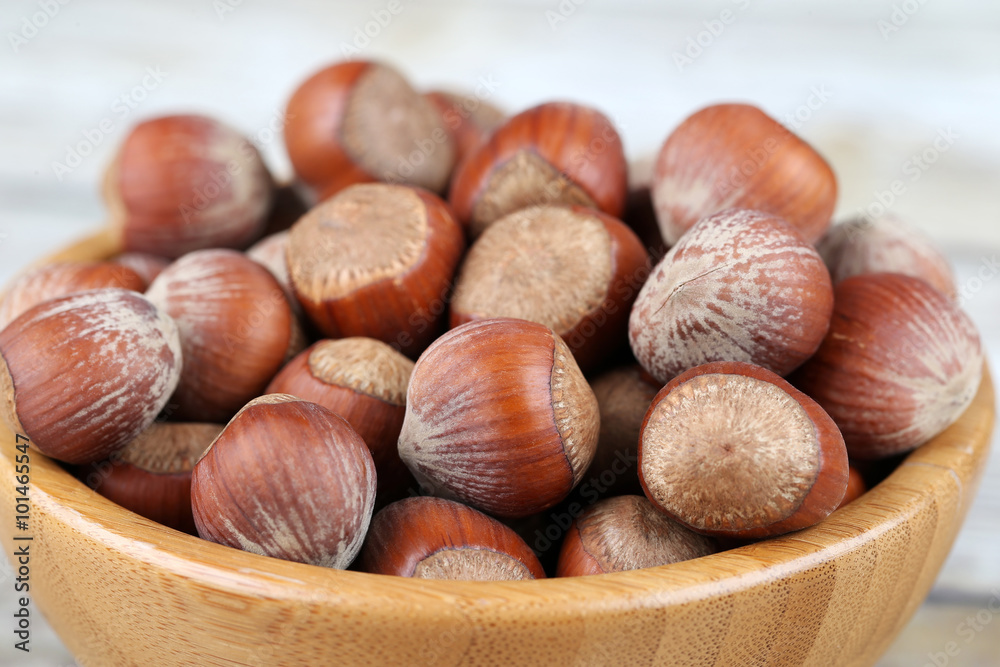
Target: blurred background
x,y
887,90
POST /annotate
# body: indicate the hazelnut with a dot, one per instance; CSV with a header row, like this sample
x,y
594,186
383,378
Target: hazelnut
x,y
573,269
432,538
151,475
735,155
286,478
623,397
61,279
364,381
84,374
271,252
627,533
884,245
360,121
900,363
731,449
236,329
555,153
856,486
739,286
469,119
376,260
148,266
183,183
499,416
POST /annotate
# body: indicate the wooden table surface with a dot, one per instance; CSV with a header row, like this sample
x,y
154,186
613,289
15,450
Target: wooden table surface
x,y
869,96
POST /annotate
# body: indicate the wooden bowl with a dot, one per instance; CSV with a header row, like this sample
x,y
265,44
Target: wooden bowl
x,y
122,590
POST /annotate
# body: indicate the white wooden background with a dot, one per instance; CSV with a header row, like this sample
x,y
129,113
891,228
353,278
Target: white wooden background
x,y
89,69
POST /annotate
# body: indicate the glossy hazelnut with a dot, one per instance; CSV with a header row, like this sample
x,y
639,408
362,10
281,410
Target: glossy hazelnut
x,y
735,155
236,329
499,416
573,269
433,538
377,261
286,478
555,153
358,122
151,475
62,279
733,450
884,245
739,286
364,381
627,533
184,183
84,374
900,363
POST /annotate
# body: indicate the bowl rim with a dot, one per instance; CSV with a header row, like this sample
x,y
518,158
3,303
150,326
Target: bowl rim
x,y
953,458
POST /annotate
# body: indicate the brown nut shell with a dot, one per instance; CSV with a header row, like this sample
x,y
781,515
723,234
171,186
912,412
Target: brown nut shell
x,y
286,478
554,153
627,533
184,183
740,286
61,279
236,329
498,415
469,118
151,475
884,245
623,396
359,121
900,363
364,381
433,538
573,269
377,261
82,375
736,156
731,449
147,265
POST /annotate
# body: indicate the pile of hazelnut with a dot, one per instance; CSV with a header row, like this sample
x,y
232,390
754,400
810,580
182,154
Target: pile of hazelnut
x,y
516,379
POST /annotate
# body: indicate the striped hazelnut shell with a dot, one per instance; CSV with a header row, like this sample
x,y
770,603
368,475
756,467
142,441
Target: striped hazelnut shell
x,y
499,416
82,375
554,153
433,538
